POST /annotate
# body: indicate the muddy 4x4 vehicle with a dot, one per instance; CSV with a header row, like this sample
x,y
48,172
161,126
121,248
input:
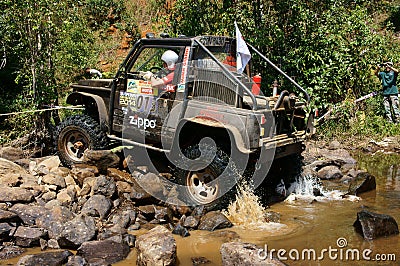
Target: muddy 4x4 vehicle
x,y
211,124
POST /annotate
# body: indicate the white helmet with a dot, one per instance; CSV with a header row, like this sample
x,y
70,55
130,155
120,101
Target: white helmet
x,y
170,58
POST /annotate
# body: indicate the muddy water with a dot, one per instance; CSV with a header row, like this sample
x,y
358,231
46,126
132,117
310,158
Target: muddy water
x,y
313,224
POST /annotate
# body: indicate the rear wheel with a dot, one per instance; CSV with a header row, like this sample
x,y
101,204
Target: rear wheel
x,y
212,186
75,135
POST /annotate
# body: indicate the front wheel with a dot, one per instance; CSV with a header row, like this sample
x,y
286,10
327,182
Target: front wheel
x,y
213,185
75,135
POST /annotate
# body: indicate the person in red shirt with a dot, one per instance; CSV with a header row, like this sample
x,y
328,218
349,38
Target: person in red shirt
x,y
169,59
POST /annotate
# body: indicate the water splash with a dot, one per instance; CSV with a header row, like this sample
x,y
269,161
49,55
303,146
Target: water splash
x,y
247,211
307,186
310,188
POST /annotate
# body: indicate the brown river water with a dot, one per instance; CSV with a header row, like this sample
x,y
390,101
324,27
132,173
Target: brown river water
x,y
311,224
323,225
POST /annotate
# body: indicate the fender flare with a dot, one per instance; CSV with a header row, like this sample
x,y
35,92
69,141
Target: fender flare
x,y
76,98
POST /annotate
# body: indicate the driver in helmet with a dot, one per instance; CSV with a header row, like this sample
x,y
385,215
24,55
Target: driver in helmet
x,y
169,59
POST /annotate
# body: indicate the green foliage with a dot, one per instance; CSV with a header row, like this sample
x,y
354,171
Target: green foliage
x,y
103,12
328,46
364,120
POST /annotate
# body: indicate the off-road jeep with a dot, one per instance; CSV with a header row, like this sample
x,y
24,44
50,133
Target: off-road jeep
x,y
211,125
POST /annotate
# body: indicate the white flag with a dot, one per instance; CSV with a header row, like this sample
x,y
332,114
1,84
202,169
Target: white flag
x,y
242,51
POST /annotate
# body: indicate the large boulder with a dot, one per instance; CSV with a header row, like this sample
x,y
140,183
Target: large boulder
x,y
373,225
246,254
103,251
157,247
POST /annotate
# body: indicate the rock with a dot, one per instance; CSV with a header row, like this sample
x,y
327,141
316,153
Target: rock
x,y
81,172
123,187
388,143
76,261
156,247
138,194
53,243
102,159
11,180
123,219
373,225
148,211
7,216
15,194
97,206
11,153
135,226
50,164
106,250
363,182
180,230
5,231
151,183
43,244
130,240
54,220
112,231
199,261
334,145
29,237
77,231
52,203
67,196
245,254
214,220
191,222
7,167
338,154
53,179
329,172
48,196
56,258
120,176
9,252
104,185
28,214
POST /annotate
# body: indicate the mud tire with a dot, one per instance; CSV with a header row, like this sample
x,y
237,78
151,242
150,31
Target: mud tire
x,y
216,167
76,134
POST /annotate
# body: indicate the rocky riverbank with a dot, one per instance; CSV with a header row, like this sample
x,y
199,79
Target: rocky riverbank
x,y
95,208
